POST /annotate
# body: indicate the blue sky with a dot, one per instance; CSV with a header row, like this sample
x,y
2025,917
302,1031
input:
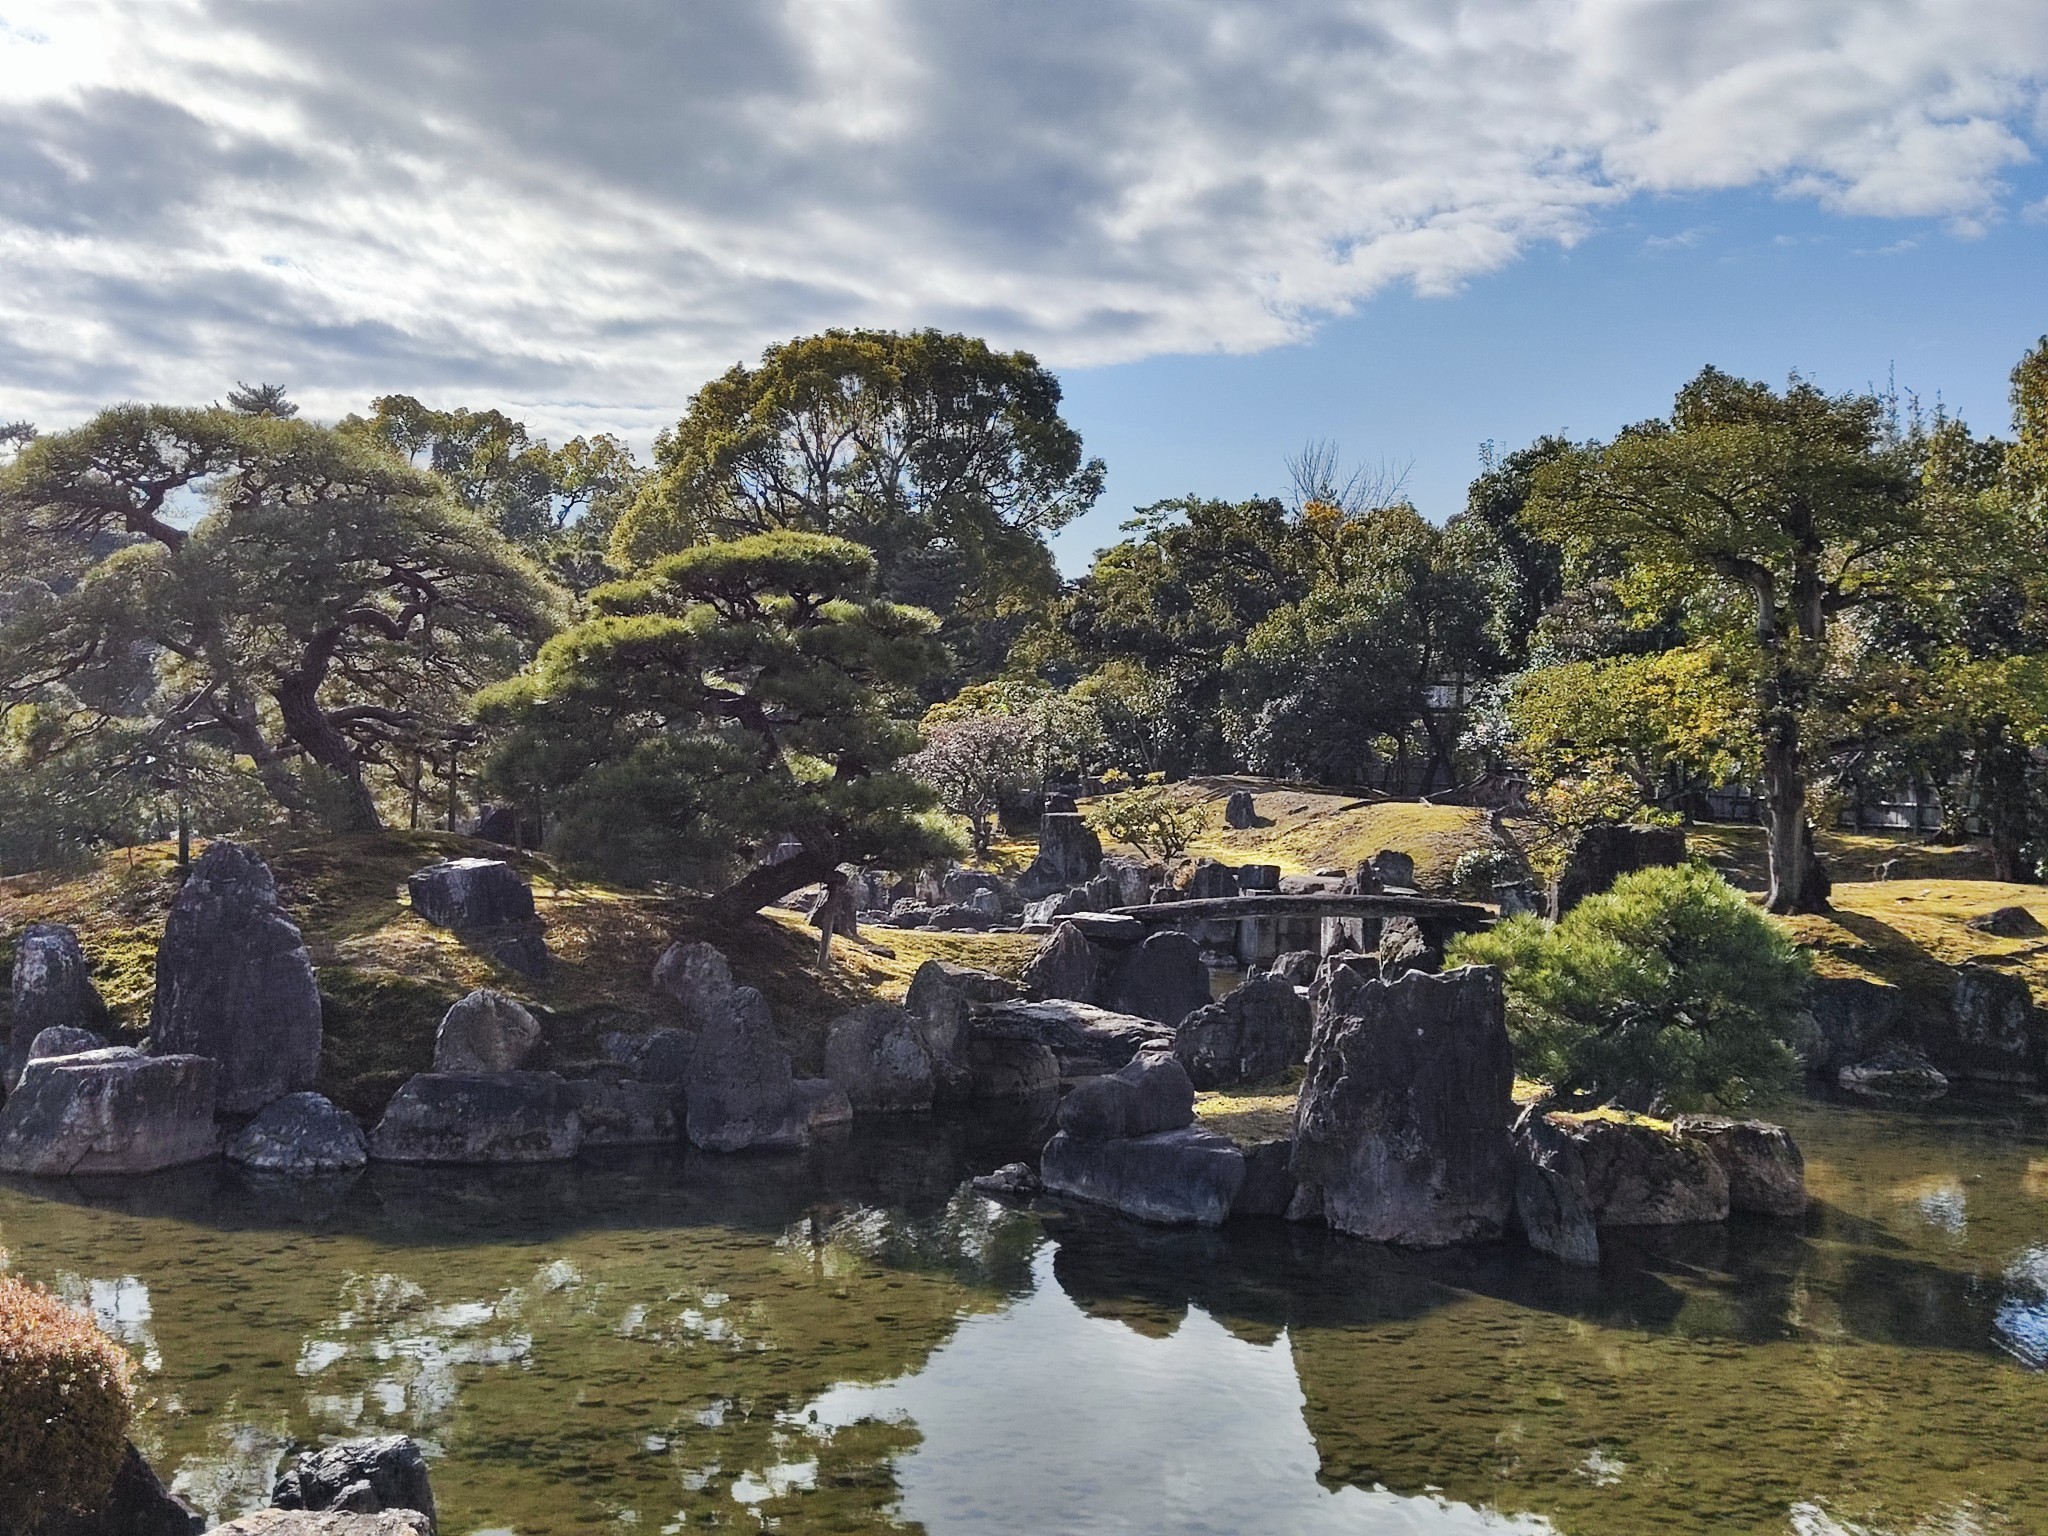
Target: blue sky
x,y
1580,342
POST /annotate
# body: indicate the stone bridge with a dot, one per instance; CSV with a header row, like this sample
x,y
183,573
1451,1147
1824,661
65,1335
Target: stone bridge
x,y
1261,925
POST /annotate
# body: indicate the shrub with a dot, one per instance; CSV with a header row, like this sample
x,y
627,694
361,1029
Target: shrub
x,y
1479,870
1152,820
65,1396
1670,990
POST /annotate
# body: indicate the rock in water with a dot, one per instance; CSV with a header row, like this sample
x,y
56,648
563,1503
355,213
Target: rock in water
x,y
485,1032
234,982
52,989
1085,1041
112,1111
822,1103
1161,979
328,1522
1017,1181
1188,1177
1894,1074
1268,1187
301,1133
1401,1129
1149,1094
939,1003
698,977
1240,811
1766,1174
1993,1031
742,1091
391,1468
618,1112
1552,1207
1067,966
1256,1032
1640,1174
1847,1020
510,1117
1011,1069
877,1056
488,906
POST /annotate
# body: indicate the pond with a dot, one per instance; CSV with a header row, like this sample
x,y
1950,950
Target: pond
x,y
853,1340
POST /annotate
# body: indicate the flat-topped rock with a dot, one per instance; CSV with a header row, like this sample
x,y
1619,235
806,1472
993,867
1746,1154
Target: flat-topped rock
x,y
1188,1177
507,1117
1640,1174
111,1111
234,982
1084,1040
488,905
742,1091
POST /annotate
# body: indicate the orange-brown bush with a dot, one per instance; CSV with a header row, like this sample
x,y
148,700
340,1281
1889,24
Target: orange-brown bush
x,y
66,1390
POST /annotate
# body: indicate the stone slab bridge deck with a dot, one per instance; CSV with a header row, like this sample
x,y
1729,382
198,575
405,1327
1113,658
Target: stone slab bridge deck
x,y
1268,922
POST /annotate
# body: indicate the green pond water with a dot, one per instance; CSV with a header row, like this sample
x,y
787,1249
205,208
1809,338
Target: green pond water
x,y
852,1340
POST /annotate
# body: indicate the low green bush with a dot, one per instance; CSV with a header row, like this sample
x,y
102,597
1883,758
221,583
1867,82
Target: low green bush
x,y
1479,870
66,1392
1670,991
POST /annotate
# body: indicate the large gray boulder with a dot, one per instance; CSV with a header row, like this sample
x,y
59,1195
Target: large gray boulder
x,y
1162,979
485,903
697,977
1268,1187
1151,1093
111,1111
52,989
618,1111
63,1040
1406,946
1240,811
1066,966
1766,1173
1186,1177
2008,923
1205,879
1084,1040
301,1133
506,1117
1553,1210
878,1057
1011,1069
660,1056
1993,1031
1256,1032
940,1001
234,983
1640,1174
1069,854
742,1092
1401,1128
1847,1019
485,1032
361,1476
1605,852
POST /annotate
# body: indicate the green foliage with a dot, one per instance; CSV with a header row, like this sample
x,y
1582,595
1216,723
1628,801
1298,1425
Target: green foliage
x,y
66,1394
729,696
949,460
1152,819
1670,990
1479,870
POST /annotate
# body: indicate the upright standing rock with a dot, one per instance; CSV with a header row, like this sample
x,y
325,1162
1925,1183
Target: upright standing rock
x,y
1401,1130
234,982
938,1003
1240,811
698,977
1162,978
877,1056
742,1092
1067,966
52,990
1069,854
485,1032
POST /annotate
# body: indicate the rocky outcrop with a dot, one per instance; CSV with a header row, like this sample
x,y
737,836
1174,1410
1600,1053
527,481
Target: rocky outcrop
x,y
876,1055
487,905
1766,1174
1899,1073
618,1111
1085,1041
1553,1212
51,989
1605,852
1847,1020
364,1477
1401,1127
301,1133
485,1032
507,1117
1992,1032
939,1003
1187,1177
697,977
234,983
742,1091
1256,1032
1066,966
1069,854
1162,979
1643,1174
111,1111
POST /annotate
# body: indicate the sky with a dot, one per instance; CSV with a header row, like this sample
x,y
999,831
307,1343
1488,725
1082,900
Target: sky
x,y
1405,226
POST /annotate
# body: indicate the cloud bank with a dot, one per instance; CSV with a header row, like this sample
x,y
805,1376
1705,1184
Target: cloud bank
x,y
588,208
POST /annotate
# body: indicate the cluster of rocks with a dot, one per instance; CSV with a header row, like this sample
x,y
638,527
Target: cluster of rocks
x,y
1871,1039
1405,1127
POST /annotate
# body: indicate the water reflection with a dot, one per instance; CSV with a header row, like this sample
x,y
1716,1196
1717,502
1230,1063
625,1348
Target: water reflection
x,y
851,1339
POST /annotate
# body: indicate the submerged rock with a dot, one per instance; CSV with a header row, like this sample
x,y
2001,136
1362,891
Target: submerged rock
x,y
234,982
51,989
1186,1177
1256,1032
364,1477
301,1133
485,1032
1401,1127
506,1117
111,1111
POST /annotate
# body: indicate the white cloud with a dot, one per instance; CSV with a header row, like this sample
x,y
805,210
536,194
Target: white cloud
x,y
587,209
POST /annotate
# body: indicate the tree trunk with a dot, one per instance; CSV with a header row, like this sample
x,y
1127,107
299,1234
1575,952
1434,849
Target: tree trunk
x,y
2002,787
1797,884
769,882
306,723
